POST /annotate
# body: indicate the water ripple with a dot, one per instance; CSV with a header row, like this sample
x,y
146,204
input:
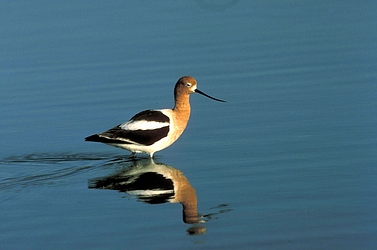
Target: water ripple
x,y
45,168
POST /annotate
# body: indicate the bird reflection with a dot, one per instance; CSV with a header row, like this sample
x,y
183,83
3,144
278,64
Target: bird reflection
x,y
154,183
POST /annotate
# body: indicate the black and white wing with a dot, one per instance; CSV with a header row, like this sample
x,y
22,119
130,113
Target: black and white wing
x,y
144,128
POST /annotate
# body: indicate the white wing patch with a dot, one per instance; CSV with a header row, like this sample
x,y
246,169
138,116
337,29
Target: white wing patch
x,y
143,125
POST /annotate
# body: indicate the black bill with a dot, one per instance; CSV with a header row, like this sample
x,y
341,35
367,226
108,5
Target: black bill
x,y
213,98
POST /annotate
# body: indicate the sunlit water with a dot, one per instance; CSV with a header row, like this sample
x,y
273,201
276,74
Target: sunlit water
x,y
289,162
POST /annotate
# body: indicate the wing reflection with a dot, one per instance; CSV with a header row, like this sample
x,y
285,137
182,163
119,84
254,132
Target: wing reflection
x,y
154,183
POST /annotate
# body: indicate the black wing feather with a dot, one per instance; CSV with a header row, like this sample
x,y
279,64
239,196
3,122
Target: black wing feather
x,y
150,115
143,137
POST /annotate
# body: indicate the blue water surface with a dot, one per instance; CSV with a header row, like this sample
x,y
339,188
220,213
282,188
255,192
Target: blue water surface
x,y
289,162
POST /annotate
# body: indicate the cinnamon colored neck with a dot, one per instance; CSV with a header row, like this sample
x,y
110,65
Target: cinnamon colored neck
x,y
182,103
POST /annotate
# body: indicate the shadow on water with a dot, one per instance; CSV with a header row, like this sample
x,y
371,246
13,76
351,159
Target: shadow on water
x,y
148,181
156,183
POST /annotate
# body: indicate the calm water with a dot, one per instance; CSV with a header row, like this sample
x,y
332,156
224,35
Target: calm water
x,y
288,163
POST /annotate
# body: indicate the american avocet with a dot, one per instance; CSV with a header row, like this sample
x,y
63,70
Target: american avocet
x,y
153,130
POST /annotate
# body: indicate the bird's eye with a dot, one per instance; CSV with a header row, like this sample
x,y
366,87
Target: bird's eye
x,y
188,84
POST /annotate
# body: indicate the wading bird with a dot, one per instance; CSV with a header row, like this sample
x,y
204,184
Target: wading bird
x,y
153,130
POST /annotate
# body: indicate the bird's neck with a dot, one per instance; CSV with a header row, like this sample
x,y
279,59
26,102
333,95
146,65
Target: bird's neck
x,y
181,113
182,104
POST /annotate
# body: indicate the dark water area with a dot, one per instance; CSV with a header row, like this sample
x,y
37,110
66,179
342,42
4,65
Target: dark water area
x,y
289,162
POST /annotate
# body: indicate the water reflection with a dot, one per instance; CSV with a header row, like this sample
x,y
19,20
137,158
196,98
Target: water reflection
x,y
154,183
